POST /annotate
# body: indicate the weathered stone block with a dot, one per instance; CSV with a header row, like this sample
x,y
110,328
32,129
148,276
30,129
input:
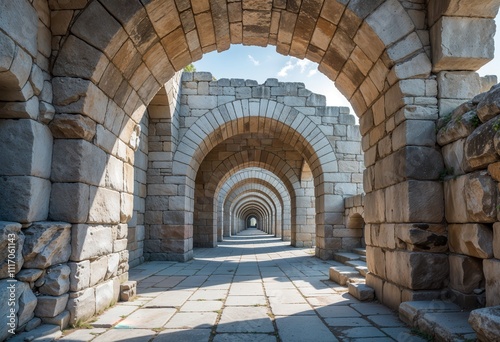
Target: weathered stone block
x,y
417,271
480,146
496,240
454,199
448,53
50,306
466,273
128,291
486,323
104,296
489,106
24,198
480,192
126,207
81,306
458,84
27,304
73,126
30,151
471,239
46,244
414,201
392,295
79,276
61,320
89,241
491,269
69,202
79,96
11,240
422,237
98,269
453,157
56,280
24,32
29,275
414,132
113,175
77,160
104,206
375,207
458,127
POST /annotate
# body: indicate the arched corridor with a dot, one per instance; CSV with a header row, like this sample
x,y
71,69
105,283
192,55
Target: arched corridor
x,y
253,287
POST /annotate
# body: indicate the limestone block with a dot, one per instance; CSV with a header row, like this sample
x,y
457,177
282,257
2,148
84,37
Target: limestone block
x,y
474,49
73,126
47,112
78,96
128,291
422,237
7,54
375,207
393,30
98,269
19,19
458,127
90,241
454,200
56,280
414,132
202,102
11,240
50,306
46,244
69,202
29,275
77,160
480,192
81,305
104,296
391,295
466,273
375,258
29,109
30,151
104,206
471,239
126,207
112,267
453,157
79,276
382,235
61,320
414,201
491,269
417,271
489,106
486,323
27,304
458,84
113,176
480,147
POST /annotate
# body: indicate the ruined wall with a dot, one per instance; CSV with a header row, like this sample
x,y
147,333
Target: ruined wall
x,y
354,221
470,141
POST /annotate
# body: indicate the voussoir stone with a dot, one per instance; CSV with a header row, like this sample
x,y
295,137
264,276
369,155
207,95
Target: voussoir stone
x,y
56,280
486,323
471,239
11,239
46,244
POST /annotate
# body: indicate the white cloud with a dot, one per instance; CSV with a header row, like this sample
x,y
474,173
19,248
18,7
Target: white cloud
x,y
288,67
253,60
312,72
303,65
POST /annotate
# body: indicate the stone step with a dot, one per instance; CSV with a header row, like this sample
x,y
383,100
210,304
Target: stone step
x,y
361,291
363,258
355,263
360,251
439,320
363,270
342,274
343,257
486,323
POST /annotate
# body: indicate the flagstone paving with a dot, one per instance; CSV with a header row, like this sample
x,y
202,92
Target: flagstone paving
x,y
253,287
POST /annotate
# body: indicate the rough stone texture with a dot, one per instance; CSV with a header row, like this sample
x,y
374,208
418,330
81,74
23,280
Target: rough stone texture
x,y
489,106
46,244
491,269
486,323
27,304
11,240
466,273
480,148
457,128
88,241
29,275
56,280
422,237
50,306
72,126
471,239
81,305
496,240
481,197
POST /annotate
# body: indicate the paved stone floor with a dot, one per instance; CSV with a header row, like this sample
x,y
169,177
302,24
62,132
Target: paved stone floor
x,y
253,287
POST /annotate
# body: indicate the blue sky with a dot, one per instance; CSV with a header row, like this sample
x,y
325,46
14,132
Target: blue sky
x,y
257,63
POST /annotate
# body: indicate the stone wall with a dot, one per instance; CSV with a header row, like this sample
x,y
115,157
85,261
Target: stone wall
x,y
354,221
469,138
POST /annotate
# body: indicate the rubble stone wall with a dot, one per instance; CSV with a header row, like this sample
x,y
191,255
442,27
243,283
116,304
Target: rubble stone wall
x,y
469,137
